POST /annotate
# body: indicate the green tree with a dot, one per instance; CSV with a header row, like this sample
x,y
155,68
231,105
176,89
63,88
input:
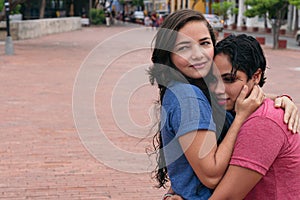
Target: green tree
x,y
14,7
224,9
138,3
258,8
297,4
97,16
273,10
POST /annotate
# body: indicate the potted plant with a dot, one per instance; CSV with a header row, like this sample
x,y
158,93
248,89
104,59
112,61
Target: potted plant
x,y
282,31
255,29
268,30
282,44
244,27
261,40
233,26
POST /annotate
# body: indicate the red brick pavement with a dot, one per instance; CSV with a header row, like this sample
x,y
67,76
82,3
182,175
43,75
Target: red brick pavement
x,y
42,155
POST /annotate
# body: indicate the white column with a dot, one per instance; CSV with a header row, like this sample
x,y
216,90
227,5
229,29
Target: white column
x,y
178,4
172,6
290,18
241,11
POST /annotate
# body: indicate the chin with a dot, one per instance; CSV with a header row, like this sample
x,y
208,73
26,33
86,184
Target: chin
x,y
229,108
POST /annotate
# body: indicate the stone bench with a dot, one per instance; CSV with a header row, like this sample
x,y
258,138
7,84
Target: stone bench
x,y
28,29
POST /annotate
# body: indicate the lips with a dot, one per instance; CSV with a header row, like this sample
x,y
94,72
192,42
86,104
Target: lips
x,y
222,101
199,65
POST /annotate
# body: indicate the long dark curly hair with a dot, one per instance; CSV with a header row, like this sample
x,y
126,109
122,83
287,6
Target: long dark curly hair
x,y
163,71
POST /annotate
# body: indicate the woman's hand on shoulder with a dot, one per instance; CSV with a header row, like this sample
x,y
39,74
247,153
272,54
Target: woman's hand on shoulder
x,y
291,114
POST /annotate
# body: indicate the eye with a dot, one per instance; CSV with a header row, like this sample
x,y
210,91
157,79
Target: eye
x,y
182,48
229,78
205,43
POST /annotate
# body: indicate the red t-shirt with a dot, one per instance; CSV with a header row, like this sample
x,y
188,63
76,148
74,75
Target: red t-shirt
x,y
265,145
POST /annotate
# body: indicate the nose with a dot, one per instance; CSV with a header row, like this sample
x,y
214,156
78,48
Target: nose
x,y
197,52
219,88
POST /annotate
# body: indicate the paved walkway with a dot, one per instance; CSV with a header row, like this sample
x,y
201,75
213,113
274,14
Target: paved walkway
x,y
288,36
53,91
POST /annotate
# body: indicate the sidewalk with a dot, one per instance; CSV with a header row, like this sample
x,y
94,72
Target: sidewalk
x,y
261,32
43,156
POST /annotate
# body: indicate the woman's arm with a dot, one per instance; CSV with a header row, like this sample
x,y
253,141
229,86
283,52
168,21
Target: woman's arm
x,y
208,160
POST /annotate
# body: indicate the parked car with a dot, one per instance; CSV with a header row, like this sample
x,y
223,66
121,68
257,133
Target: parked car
x,y
138,17
163,13
215,21
298,37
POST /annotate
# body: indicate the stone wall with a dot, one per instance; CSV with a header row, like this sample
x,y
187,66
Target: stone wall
x,y
28,29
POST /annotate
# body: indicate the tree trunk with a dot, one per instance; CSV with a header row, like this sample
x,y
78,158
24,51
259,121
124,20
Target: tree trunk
x,y
277,24
296,25
275,30
266,21
42,9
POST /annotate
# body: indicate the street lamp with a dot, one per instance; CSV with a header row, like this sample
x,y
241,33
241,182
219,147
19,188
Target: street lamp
x,y
9,47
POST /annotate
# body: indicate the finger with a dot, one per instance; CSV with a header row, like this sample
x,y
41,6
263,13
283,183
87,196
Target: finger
x,y
290,124
254,93
298,129
292,120
288,114
243,93
278,102
257,95
295,128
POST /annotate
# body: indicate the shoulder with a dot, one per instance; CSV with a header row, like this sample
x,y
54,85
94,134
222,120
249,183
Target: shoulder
x,y
265,121
184,90
267,111
185,96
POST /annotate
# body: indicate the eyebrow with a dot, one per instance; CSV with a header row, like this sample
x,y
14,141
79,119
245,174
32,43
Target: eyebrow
x,y
203,39
226,74
181,43
187,42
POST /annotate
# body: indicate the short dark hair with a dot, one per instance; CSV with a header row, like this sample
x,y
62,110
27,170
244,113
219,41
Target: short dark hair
x,y
245,54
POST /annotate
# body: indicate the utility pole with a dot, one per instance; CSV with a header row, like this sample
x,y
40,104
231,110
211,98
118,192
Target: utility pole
x,y
9,47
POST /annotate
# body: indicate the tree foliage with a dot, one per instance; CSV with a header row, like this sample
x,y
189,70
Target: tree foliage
x,y
295,3
274,10
15,6
138,2
97,16
224,9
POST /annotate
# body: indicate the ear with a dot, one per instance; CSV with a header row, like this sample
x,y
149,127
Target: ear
x,y
257,75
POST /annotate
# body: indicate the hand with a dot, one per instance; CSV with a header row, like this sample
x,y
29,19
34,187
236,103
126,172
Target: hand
x,y
291,115
244,107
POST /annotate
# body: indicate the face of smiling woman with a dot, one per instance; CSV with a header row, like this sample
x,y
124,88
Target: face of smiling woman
x,y
227,94
193,51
